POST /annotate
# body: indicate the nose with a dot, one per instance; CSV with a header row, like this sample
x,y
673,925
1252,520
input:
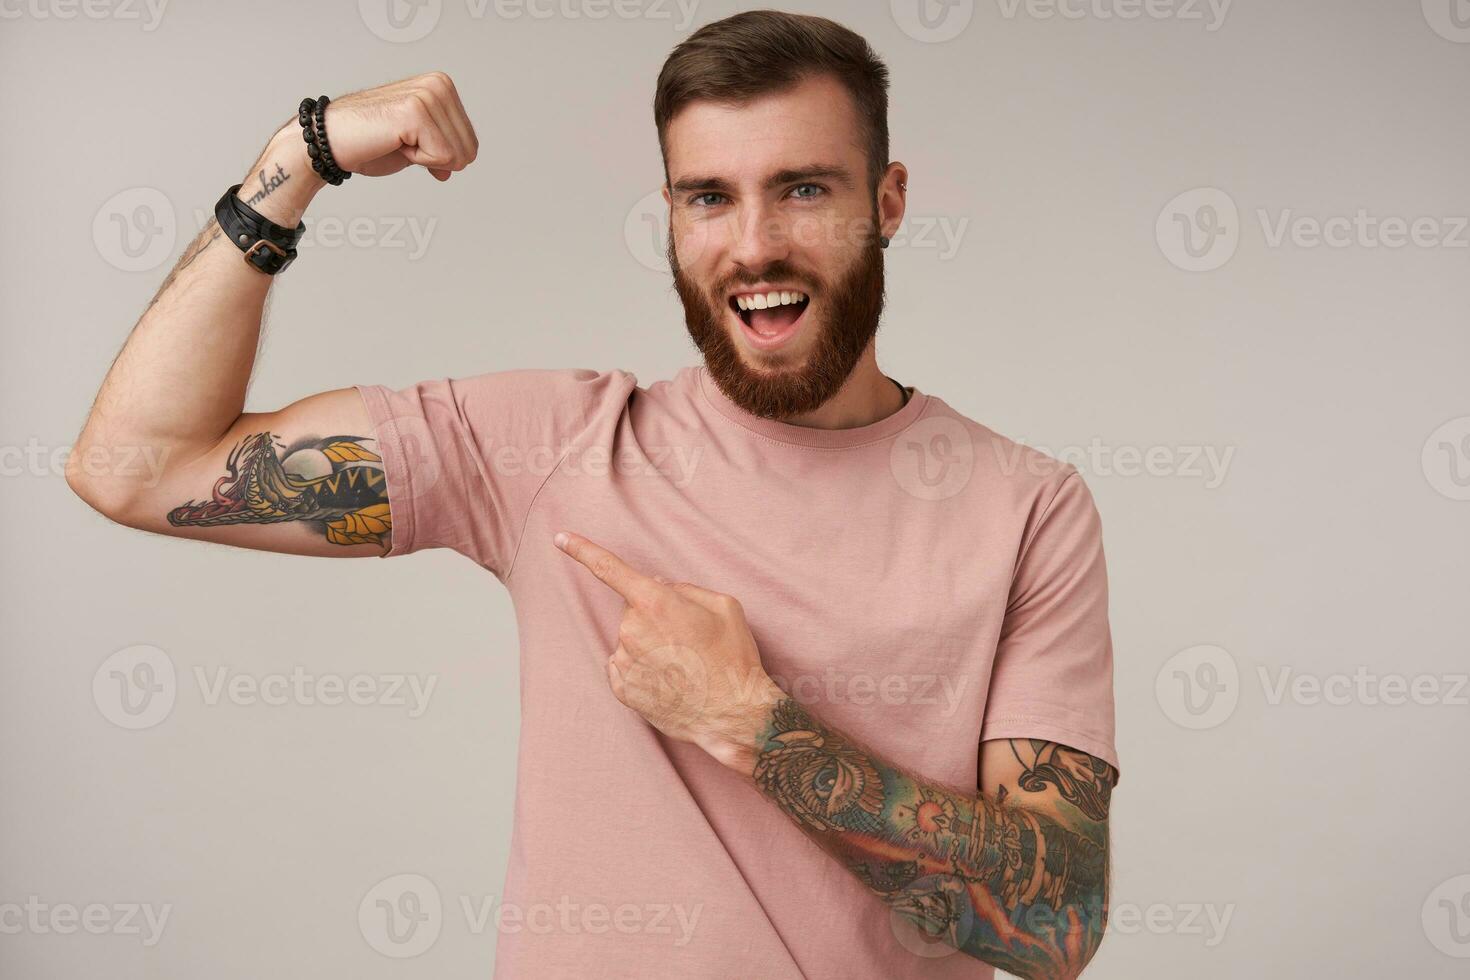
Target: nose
x,y
761,237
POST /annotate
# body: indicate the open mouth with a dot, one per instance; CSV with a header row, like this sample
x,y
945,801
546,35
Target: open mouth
x,y
772,317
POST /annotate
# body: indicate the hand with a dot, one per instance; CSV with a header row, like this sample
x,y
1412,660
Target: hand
x,y
418,120
685,660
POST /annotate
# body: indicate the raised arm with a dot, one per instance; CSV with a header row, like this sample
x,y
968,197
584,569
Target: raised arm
x,y
306,479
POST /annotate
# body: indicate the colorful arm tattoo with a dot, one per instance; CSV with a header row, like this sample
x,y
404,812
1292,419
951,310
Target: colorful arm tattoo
x,y
335,484
1012,886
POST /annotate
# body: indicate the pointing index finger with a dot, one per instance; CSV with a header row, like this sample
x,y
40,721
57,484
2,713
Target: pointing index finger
x,y
611,570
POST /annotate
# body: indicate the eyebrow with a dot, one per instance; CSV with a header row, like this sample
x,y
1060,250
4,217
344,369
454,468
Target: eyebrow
x,y
816,171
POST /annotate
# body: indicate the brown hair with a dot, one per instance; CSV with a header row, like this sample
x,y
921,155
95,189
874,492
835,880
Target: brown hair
x,y
758,52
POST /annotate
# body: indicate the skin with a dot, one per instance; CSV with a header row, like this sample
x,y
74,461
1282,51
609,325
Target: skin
x,y
731,219
1015,875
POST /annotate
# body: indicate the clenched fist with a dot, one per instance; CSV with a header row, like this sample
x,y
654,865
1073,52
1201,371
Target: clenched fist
x,y
418,120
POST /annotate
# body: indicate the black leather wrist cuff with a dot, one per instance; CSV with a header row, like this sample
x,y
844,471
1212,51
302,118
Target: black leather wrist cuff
x,y
269,247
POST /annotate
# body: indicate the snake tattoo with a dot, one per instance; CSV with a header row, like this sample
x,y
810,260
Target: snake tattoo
x,y
336,484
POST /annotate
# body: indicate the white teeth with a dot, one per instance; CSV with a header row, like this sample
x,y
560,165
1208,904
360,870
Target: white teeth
x,y
764,301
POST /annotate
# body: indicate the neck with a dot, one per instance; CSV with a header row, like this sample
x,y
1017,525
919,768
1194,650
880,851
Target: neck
x,y
864,398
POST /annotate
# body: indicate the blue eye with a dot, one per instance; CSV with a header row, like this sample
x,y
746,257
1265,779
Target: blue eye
x,y
701,200
816,190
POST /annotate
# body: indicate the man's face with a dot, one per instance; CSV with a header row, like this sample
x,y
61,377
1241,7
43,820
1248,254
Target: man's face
x,y
773,243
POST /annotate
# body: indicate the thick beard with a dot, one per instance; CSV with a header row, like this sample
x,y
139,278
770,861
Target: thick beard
x,y
852,309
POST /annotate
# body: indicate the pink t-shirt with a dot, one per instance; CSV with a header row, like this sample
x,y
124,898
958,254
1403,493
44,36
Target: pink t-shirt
x,y
920,583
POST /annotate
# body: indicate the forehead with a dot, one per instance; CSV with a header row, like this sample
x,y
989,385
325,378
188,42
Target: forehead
x,y
813,121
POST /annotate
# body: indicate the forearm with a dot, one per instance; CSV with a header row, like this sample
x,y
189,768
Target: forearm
x,y
1010,886
180,380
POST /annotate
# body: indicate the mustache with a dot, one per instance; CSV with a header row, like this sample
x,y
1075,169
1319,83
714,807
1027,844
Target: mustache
x,y
778,271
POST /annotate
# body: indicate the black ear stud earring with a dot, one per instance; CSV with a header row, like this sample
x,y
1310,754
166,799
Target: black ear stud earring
x,y
883,241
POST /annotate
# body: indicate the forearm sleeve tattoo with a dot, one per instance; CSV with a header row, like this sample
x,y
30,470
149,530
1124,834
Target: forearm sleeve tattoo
x,y
1008,885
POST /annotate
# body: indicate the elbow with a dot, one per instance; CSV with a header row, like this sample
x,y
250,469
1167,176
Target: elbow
x,y
1048,945
115,499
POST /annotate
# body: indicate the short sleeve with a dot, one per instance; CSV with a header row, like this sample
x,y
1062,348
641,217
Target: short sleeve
x,y
465,457
1053,673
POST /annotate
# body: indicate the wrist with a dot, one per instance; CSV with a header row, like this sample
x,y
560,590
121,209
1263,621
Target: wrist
x,y
742,732
281,183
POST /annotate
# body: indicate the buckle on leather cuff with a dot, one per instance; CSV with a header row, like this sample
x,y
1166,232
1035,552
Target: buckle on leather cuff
x,y
283,258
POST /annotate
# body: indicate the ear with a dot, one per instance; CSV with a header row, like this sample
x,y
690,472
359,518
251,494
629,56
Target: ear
x,y
892,198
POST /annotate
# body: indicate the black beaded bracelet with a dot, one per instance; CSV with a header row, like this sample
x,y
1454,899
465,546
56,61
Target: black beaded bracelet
x,y
312,115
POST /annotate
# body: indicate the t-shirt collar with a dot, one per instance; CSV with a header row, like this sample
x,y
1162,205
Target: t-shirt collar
x,y
803,435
